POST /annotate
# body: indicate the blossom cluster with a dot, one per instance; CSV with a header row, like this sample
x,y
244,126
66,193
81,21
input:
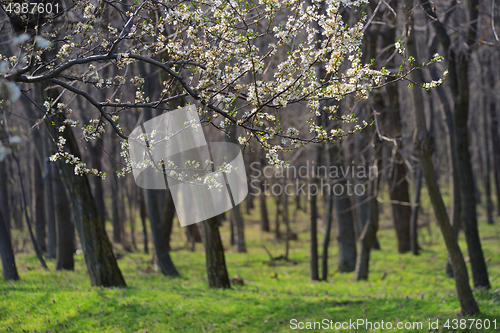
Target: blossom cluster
x,y
244,62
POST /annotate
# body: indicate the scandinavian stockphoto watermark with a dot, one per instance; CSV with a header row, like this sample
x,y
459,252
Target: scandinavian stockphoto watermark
x,y
170,151
309,179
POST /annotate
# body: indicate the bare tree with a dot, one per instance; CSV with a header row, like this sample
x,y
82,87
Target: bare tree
x,y
459,81
467,302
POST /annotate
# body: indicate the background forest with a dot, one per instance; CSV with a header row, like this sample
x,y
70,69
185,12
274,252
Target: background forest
x,y
371,139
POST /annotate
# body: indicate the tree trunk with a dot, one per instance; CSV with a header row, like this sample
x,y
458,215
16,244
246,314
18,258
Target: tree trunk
x,y
65,227
313,227
371,227
495,139
193,235
131,200
346,238
97,249
232,230
422,141
313,231
367,236
249,205
17,209
447,116
264,217
4,196
328,231
459,81
277,233
49,208
214,253
456,200
7,254
486,170
117,218
469,214
143,213
391,122
240,231
401,214
47,180
236,215
286,220
4,192
98,190
414,214
159,211
38,204
123,212
362,200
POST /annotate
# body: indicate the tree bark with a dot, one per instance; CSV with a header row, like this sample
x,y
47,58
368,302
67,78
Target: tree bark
x,y
345,235
486,170
98,190
116,218
39,205
131,200
264,216
466,180
346,238
5,208
363,201
4,196
160,213
369,233
117,212
401,214
240,231
277,232
286,220
415,248
396,177
237,217
326,241
232,228
65,227
214,254
495,138
143,213
7,254
193,235
313,226
97,249
49,209
249,205
313,231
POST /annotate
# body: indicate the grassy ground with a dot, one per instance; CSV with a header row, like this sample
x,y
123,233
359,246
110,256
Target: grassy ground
x,y
401,288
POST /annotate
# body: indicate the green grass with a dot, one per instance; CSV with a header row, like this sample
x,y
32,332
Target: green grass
x,y
400,288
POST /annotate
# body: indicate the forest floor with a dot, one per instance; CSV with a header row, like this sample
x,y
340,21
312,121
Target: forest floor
x,y
401,288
